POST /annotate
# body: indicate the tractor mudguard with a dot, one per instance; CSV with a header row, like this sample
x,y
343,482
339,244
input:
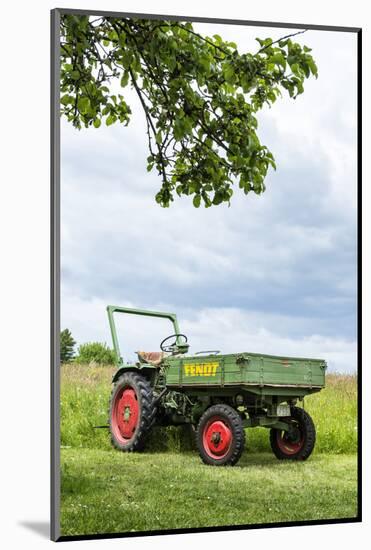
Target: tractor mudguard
x,y
146,370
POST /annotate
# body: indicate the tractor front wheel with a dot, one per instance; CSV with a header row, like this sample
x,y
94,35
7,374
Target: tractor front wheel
x,y
298,443
220,436
132,412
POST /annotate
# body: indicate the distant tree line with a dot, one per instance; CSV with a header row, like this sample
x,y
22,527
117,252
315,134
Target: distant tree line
x,y
90,352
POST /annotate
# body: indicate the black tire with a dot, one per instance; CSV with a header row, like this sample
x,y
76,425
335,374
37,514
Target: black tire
x,y
218,422
301,444
132,395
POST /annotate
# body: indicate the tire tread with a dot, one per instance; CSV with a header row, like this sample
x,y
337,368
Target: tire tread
x,y
147,410
237,429
306,423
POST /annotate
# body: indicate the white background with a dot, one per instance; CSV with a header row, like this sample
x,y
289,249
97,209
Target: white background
x,y
24,275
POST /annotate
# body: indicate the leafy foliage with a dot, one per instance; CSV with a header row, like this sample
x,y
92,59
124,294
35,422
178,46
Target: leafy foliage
x,y
67,343
95,352
200,97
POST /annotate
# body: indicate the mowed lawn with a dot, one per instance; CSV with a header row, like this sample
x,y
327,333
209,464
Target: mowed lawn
x,y
106,491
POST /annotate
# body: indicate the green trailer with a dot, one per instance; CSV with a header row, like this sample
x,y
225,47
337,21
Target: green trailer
x,y
218,395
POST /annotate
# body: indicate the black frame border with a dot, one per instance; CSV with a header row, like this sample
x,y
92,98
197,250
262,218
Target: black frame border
x,y
55,273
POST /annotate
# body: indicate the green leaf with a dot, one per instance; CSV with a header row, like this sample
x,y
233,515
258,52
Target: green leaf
x,y
126,58
313,67
295,69
122,38
265,42
75,75
196,201
218,198
112,35
204,62
124,79
66,99
97,122
228,73
83,104
207,200
179,129
279,59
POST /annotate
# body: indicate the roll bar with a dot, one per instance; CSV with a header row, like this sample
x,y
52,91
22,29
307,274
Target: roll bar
x,y
133,311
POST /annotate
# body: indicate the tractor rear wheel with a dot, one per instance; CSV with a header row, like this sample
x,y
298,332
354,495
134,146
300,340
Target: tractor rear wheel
x,y
299,444
132,412
220,436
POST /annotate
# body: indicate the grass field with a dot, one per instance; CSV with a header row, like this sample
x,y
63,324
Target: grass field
x,y
165,488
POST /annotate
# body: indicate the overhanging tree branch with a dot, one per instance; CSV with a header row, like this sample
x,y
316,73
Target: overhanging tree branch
x,y
200,97
280,40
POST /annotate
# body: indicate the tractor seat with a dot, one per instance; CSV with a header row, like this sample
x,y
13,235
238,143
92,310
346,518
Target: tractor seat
x,y
152,357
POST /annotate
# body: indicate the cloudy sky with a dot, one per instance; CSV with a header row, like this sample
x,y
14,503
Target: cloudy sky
x,y
272,274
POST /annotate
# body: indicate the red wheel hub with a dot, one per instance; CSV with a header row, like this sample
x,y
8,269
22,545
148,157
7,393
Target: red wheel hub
x,y
288,443
125,414
217,438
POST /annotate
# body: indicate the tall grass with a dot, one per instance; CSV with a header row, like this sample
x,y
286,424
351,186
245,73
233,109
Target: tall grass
x,y
334,412
85,393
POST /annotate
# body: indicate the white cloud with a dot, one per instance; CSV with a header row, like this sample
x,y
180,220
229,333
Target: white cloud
x,y
289,252
229,330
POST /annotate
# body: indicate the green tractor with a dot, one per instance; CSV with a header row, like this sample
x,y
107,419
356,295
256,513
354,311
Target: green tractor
x,y
218,395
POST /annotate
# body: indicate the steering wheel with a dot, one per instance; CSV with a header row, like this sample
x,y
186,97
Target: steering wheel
x,y
170,347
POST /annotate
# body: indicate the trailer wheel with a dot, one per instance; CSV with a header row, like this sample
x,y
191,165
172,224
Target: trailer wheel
x,y
300,443
131,412
220,436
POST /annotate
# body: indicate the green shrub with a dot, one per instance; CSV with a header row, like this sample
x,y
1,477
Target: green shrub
x,y
95,352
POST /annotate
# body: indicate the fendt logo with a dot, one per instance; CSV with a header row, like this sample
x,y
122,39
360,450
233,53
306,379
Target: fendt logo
x,y
200,369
